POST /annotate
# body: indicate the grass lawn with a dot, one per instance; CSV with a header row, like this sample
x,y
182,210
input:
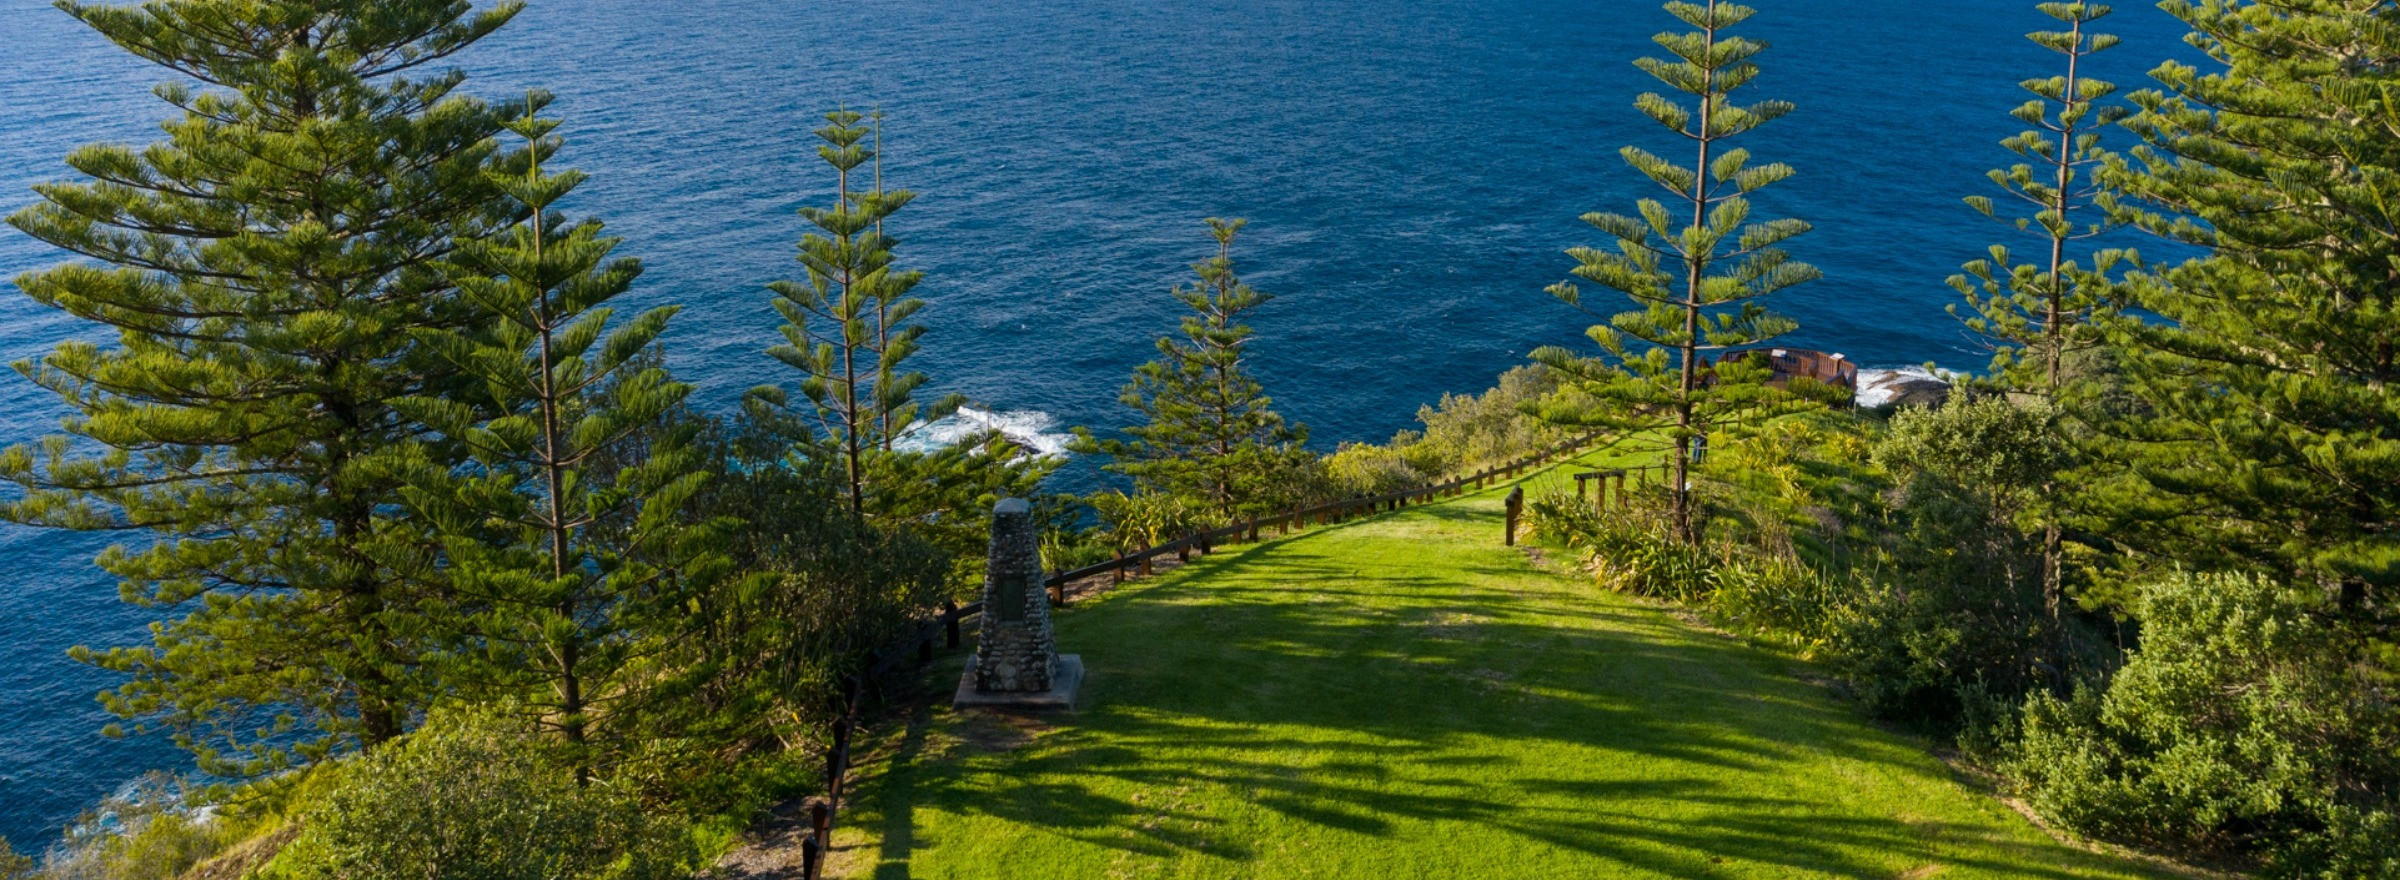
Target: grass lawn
x,y
1401,698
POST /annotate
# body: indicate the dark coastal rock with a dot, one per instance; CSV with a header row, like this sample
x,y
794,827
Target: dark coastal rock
x,y
1903,387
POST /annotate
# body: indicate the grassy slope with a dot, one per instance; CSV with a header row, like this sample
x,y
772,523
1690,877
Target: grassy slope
x,y
1400,698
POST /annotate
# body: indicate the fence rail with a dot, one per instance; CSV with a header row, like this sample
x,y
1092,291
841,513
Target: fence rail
x,y
948,625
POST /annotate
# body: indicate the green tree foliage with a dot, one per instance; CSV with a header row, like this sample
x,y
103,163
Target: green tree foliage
x,y
2237,727
1210,431
147,831
2040,315
1950,628
574,564
1464,432
262,270
477,796
1695,283
761,655
1142,519
847,330
1368,469
2268,433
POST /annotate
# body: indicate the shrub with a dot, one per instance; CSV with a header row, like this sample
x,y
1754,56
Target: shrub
x,y
1632,551
1949,629
148,832
1146,519
1931,655
1366,469
12,865
2244,724
1467,431
1629,551
1778,599
477,797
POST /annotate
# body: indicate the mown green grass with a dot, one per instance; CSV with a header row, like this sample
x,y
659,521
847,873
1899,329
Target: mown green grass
x,y
1402,697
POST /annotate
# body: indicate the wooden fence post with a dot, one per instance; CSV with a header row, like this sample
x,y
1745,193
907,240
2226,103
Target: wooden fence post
x,y
812,857
820,823
950,636
1254,530
833,774
1516,507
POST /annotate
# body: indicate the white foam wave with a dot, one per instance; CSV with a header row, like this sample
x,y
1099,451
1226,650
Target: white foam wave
x,y
1880,385
1031,429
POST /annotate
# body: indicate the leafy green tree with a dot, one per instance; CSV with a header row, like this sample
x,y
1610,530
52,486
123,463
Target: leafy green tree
x,y
763,653
1464,432
2040,314
261,270
2238,726
2268,433
477,795
1211,433
1949,629
1696,284
567,556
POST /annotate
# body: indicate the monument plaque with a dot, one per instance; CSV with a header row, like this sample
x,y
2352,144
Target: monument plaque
x,y
1016,663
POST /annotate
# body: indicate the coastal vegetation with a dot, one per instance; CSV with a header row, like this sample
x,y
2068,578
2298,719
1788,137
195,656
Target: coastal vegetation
x,y
1696,287
456,581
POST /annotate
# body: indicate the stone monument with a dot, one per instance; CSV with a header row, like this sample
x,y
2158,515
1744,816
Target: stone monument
x,y
1016,663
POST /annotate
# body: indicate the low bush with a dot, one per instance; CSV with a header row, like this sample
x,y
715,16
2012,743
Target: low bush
x,y
1630,550
1367,469
150,831
478,796
2245,724
1468,431
1142,518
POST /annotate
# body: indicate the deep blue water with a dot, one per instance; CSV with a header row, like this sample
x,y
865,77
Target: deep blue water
x,y
1411,171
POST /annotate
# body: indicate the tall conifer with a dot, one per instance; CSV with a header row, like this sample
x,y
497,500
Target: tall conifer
x,y
2039,313
261,270
1211,432
568,549
2270,430
1695,281
846,328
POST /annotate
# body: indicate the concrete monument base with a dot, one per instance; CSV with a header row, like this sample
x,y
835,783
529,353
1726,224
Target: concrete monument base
x,y
1064,683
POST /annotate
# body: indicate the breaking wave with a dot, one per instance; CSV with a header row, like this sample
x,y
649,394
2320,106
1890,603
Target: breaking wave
x,y
1881,385
1032,429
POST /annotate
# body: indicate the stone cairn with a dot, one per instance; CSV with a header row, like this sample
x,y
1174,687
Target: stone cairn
x,y
1016,661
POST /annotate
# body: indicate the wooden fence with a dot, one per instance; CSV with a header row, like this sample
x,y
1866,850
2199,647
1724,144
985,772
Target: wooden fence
x,y
947,626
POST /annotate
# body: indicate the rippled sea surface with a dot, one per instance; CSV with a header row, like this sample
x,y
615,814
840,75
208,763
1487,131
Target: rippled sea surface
x,y
1411,171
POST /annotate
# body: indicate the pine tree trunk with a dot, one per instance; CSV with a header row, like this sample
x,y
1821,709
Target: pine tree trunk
x,y
1696,265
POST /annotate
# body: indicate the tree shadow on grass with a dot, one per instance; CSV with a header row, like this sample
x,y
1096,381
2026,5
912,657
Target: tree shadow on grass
x,y
1358,682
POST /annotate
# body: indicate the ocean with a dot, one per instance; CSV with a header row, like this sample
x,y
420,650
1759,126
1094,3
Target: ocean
x,y
1411,172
